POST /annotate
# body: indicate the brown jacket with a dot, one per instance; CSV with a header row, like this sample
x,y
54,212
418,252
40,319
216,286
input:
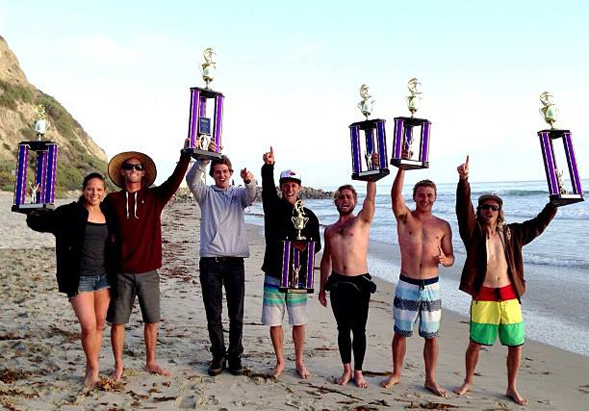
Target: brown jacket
x,y
473,236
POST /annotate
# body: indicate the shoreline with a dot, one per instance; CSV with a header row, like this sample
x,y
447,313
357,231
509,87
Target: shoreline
x,y
43,362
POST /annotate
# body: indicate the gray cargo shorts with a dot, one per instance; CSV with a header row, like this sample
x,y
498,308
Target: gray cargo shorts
x,y
146,286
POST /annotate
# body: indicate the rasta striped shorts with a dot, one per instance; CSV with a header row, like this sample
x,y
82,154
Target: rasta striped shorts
x,y
496,311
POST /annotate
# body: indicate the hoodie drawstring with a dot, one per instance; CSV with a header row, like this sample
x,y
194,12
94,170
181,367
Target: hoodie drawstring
x,y
134,205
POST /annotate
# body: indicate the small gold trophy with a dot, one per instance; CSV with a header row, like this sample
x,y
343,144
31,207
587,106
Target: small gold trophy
x,y
298,257
560,193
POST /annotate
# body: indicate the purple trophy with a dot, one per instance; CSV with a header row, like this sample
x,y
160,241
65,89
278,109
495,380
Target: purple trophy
x,y
205,122
406,129
369,155
298,258
42,188
560,191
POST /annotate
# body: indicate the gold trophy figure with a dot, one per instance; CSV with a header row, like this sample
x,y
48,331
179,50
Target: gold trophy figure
x,y
299,220
208,69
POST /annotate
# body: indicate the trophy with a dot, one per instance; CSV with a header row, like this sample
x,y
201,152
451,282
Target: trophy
x,y
298,257
560,192
405,153
204,124
42,189
369,155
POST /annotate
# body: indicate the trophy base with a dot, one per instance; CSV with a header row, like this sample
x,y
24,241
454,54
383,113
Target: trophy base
x,y
371,175
28,208
565,199
407,164
202,154
287,290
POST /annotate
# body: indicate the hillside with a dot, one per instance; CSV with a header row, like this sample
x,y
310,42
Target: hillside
x,y
78,153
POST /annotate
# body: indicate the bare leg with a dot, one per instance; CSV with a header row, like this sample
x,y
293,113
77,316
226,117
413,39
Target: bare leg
x,y
298,336
514,357
399,347
83,305
430,357
346,376
359,379
117,338
471,359
150,336
277,337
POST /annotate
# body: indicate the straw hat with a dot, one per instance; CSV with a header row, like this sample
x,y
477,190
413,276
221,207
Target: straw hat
x,y
116,163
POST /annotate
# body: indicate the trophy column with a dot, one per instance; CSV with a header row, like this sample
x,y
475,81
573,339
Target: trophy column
x,y
42,194
205,126
560,191
369,155
405,133
298,258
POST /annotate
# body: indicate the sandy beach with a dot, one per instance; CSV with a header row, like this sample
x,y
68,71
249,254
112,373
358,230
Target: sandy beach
x,y
42,362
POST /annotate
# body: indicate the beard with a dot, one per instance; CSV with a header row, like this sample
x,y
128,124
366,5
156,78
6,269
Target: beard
x,y
348,212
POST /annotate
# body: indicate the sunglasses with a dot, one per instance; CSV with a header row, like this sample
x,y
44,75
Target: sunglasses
x,y
490,207
129,166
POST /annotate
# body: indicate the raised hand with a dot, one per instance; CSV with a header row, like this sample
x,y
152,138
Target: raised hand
x,y
247,176
269,157
463,169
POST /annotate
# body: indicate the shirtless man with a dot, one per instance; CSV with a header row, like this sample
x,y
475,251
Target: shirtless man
x,y
426,242
350,285
495,283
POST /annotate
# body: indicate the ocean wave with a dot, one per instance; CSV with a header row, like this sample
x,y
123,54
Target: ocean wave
x,y
512,193
555,262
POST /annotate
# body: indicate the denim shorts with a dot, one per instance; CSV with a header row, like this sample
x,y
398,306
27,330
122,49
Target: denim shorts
x,y
92,283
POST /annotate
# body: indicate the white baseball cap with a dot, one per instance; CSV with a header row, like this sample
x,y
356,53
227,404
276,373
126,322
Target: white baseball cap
x,y
290,175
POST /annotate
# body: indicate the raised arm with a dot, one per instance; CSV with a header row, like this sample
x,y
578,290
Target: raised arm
x,y
169,187
464,209
369,206
399,207
250,187
269,195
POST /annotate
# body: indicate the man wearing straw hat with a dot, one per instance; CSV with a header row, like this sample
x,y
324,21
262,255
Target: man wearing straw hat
x,y
137,209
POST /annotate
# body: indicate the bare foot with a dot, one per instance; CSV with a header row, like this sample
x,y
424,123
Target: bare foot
x,y
514,395
345,378
359,379
394,380
277,370
91,377
117,373
435,388
463,389
304,374
156,369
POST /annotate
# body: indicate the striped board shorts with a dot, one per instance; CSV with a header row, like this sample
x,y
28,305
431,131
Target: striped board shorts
x,y
496,311
417,299
276,301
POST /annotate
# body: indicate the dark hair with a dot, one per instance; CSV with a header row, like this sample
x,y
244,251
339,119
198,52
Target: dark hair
x,y
345,187
425,183
223,160
92,176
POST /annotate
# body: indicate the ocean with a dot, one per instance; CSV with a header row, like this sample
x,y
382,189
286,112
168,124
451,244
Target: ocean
x,y
557,262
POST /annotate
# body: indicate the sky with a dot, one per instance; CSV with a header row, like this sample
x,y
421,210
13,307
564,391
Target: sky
x,y
291,70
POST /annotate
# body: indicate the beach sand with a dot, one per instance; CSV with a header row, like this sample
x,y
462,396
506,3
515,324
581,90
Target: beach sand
x,y
42,362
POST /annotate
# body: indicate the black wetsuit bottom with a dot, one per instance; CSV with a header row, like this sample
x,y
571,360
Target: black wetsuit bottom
x,y
350,297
